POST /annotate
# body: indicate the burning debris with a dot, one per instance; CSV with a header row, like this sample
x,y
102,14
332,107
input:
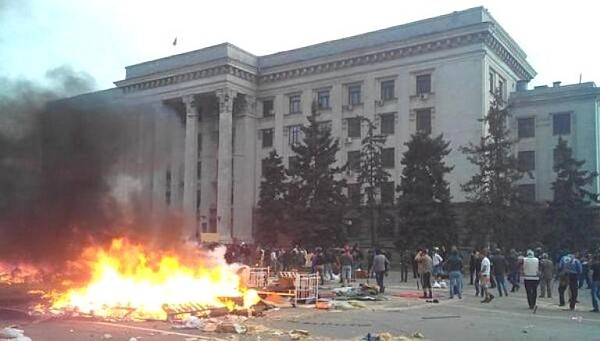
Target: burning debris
x,y
127,281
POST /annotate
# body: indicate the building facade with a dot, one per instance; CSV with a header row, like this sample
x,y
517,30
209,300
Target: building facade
x,y
232,108
539,117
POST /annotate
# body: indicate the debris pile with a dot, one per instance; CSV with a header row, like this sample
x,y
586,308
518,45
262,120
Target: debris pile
x,y
13,333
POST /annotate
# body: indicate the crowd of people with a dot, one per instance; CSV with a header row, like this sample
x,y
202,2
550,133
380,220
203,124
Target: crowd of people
x,y
492,269
487,269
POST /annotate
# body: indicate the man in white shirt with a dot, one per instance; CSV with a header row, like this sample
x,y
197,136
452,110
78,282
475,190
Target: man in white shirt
x,y
531,277
485,276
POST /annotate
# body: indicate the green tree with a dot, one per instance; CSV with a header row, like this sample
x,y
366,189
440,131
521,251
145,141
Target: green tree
x,y
492,190
424,201
570,211
317,204
372,175
272,200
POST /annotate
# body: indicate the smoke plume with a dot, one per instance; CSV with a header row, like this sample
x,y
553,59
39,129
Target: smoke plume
x,y
68,169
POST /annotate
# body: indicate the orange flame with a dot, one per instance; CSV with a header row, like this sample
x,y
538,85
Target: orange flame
x,y
126,276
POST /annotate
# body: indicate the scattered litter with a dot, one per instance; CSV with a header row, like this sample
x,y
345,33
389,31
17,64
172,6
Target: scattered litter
x,y
13,334
342,305
323,304
133,339
435,300
577,319
297,334
106,337
417,335
390,337
192,322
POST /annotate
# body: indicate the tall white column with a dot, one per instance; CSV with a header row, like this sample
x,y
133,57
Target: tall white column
x,y
190,180
224,168
244,175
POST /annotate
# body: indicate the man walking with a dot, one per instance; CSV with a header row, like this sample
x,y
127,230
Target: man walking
x,y
455,266
569,269
513,270
547,273
380,267
485,273
531,273
425,265
499,267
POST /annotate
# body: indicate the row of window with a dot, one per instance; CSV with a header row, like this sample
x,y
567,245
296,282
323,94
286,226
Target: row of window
x,y
353,95
387,193
387,159
387,127
526,159
561,125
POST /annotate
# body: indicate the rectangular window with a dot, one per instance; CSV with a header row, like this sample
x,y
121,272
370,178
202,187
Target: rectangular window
x,y
323,99
501,91
267,137
168,180
387,193
388,90
295,104
387,124
198,200
561,123
354,95
491,83
526,161
324,126
294,134
527,192
387,158
526,127
263,167
292,163
354,194
557,157
354,160
423,84
268,109
424,121
354,127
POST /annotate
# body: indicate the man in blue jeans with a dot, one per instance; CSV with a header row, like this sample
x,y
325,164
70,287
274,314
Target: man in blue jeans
x,y
499,269
595,270
455,265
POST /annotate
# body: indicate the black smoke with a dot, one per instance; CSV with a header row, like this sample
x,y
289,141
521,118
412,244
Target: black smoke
x,y
59,159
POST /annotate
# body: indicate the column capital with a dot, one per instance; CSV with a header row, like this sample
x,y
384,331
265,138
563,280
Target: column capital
x,y
225,97
250,102
191,105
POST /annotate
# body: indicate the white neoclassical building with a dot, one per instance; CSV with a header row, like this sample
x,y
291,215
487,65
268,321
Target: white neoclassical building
x,y
540,116
212,115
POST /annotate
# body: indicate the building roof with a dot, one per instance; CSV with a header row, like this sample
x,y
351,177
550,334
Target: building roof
x,y
556,92
397,34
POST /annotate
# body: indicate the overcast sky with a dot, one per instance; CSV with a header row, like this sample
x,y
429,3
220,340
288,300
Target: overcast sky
x,y
101,37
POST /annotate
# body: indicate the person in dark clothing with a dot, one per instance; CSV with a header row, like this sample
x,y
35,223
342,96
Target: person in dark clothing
x,y
595,269
472,266
455,265
405,261
499,268
415,266
513,270
478,288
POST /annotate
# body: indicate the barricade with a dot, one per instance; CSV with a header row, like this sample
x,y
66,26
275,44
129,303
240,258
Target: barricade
x,y
306,288
258,278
